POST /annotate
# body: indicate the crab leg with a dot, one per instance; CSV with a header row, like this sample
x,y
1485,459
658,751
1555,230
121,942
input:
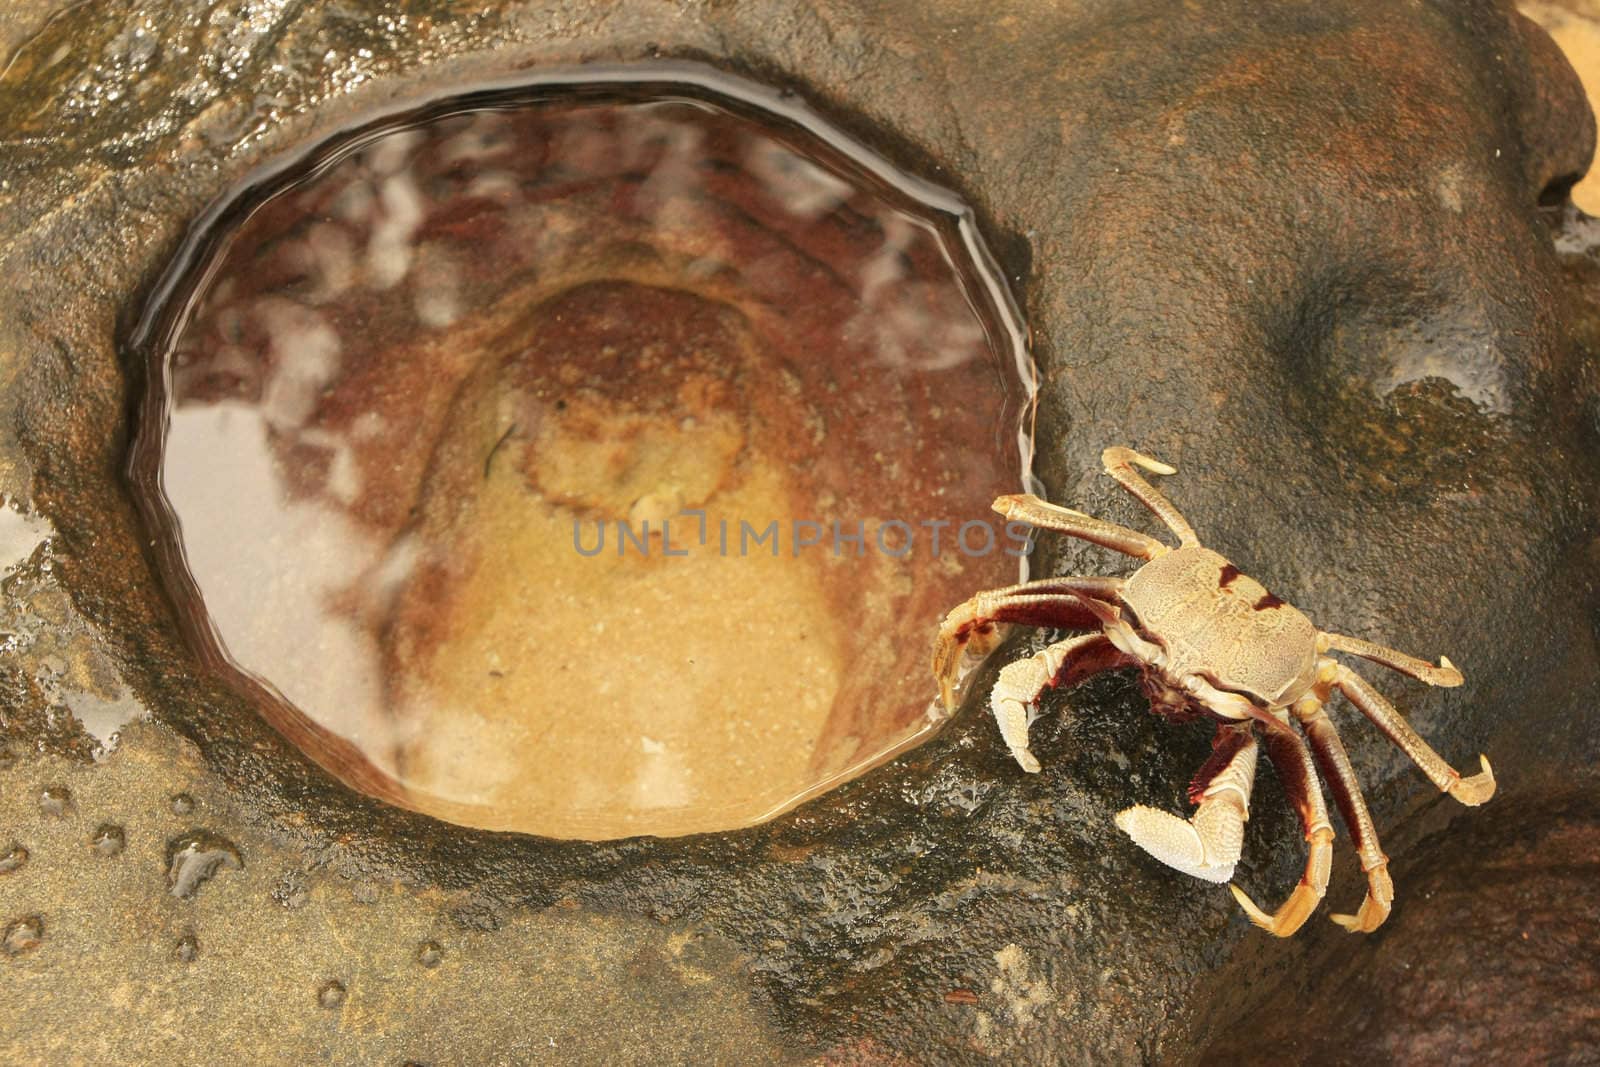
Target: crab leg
x,y
1335,766
1208,844
1469,791
1015,697
1445,674
1292,761
1058,603
1119,464
1026,507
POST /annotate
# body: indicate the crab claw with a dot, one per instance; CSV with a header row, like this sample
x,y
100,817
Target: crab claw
x,y
1026,760
1207,847
1477,789
1446,676
955,640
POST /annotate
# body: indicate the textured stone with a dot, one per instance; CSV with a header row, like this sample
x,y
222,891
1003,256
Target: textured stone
x,y
1497,955
1295,249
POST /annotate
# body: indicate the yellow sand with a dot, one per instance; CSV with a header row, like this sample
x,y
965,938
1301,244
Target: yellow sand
x,y
599,697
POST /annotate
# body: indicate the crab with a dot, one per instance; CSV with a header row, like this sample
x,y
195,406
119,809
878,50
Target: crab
x,y
1208,642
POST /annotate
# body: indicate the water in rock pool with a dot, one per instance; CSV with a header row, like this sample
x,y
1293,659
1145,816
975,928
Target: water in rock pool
x,y
586,461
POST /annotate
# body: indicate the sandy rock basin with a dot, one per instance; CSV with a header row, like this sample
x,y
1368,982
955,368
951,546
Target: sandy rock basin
x,y
1298,253
575,464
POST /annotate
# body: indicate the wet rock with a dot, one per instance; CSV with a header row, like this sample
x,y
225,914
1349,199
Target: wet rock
x,y
22,935
195,857
500,994
1494,952
1296,251
290,891
56,801
109,840
331,995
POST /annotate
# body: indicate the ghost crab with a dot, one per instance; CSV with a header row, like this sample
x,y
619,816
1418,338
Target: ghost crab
x,y
1208,641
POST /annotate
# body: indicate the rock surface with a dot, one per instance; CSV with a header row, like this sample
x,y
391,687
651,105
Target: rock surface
x,y
1296,250
1499,959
